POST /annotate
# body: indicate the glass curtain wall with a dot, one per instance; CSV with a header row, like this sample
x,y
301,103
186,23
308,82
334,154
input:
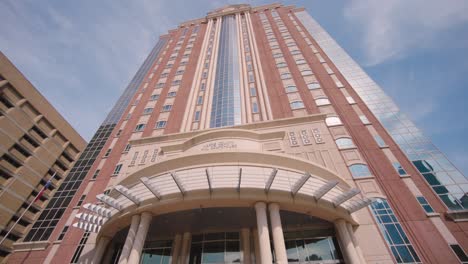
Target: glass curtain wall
x,y
226,106
215,248
157,252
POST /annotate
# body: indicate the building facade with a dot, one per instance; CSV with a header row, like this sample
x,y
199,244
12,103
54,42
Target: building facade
x,y
37,145
250,136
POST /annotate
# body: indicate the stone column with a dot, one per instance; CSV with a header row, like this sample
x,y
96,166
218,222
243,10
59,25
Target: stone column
x,y
129,240
346,242
100,249
355,242
278,238
140,238
176,248
263,235
245,236
185,251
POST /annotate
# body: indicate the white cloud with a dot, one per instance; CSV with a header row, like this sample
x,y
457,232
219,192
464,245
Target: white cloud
x,y
391,28
70,51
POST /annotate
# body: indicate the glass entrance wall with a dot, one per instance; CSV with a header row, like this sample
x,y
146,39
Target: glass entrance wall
x,y
312,247
215,248
156,252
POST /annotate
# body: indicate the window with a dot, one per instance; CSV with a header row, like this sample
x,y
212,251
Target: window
x,y
107,153
379,141
344,143
166,108
460,253
117,169
399,168
147,111
82,198
306,72
140,127
291,88
297,105
161,124
254,107
393,233
300,61
424,204
285,76
253,91
119,132
176,82
160,85
154,97
313,85
62,234
333,121
277,55
281,64
295,52
205,75
200,100
251,77
202,87
350,100
364,119
127,148
196,116
171,94
96,173
164,75
359,170
322,101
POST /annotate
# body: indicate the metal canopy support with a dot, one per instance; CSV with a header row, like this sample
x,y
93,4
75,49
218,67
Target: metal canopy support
x,y
270,180
320,192
127,193
93,219
345,196
298,185
208,178
178,183
87,227
361,204
109,201
102,211
240,179
146,182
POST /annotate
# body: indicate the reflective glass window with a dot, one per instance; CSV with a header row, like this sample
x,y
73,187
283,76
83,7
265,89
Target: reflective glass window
x,y
285,76
359,170
139,127
399,168
291,88
425,204
322,101
160,124
297,105
344,143
333,121
393,233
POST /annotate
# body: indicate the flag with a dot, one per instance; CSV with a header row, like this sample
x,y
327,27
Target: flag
x,y
48,183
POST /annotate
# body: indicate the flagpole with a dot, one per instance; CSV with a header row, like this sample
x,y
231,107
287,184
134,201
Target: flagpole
x,y
27,208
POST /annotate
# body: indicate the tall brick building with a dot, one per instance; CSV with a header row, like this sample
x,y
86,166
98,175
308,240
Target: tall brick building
x,y
250,136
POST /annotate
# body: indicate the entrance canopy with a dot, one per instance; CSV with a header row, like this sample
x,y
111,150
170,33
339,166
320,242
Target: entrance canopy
x,y
226,179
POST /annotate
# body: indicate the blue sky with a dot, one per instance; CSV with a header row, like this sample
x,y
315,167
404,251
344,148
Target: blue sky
x,y
82,54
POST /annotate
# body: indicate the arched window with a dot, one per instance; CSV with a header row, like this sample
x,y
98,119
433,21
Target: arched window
x,y
333,121
306,72
322,101
344,143
285,76
295,52
291,88
297,105
393,233
300,61
313,85
359,170
281,64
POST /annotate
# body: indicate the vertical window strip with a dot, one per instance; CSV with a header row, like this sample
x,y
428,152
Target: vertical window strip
x,y
393,233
